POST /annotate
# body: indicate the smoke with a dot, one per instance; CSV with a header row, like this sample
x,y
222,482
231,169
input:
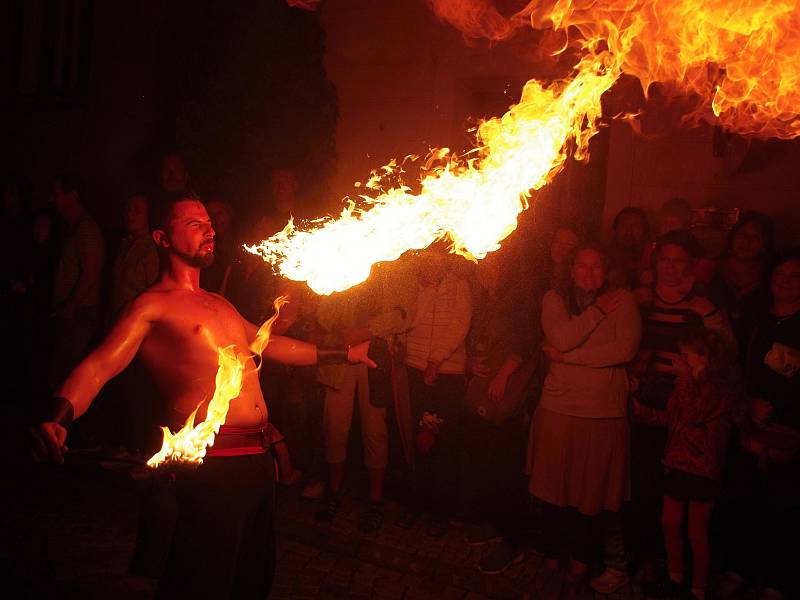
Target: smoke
x,y
473,18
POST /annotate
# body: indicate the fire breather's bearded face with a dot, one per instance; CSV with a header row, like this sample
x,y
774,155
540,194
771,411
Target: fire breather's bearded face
x,y
191,235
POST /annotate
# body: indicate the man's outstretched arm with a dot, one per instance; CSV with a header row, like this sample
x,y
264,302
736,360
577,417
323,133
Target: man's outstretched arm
x,y
84,383
294,352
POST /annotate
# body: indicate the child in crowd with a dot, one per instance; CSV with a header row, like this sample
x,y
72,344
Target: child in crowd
x,y
699,418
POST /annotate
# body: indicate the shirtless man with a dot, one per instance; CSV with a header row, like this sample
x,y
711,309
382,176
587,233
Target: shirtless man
x,y
224,540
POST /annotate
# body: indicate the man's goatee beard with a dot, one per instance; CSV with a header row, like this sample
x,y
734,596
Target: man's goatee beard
x,y
201,261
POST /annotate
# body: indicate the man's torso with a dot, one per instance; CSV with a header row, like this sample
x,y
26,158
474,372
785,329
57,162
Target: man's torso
x,y
181,351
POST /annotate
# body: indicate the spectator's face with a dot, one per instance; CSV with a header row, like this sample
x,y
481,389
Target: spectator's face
x,y
589,270
220,217
564,243
174,175
191,234
630,231
747,242
137,215
673,265
785,284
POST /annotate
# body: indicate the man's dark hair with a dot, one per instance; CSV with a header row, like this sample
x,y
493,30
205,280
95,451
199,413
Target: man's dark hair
x,y
161,212
764,223
636,212
69,182
682,238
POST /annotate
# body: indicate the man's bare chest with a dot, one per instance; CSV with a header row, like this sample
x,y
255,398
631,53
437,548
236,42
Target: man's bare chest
x,y
203,321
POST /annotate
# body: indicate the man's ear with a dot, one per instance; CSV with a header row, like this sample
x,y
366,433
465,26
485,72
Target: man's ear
x,y
160,238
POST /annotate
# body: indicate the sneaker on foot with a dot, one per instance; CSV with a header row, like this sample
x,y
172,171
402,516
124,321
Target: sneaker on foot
x,y
500,558
609,581
314,490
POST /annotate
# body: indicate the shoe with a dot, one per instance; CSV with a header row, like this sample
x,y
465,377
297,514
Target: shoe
x,y
481,535
728,585
610,581
314,490
500,558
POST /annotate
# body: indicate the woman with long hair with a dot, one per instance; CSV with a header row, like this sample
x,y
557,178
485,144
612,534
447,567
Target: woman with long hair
x,y
579,434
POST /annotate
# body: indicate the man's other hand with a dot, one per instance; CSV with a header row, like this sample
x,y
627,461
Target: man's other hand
x,y
358,354
48,442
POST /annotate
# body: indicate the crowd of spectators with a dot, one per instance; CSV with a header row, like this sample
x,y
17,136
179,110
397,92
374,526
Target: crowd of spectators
x,y
632,399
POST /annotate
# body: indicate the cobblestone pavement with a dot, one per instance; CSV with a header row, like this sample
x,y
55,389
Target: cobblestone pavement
x,y
69,533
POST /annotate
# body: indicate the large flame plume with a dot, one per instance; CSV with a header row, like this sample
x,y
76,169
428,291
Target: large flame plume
x,y
190,443
738,58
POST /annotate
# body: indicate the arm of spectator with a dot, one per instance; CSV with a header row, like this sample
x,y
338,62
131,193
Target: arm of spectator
x,y
497,386
648,414
561,331
90,254
628,334
714,318
445,345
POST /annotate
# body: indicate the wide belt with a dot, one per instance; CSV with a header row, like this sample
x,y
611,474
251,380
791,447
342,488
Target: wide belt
x,y
240,441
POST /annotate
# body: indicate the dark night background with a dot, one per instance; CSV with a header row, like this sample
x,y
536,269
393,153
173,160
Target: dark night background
x,y
103,89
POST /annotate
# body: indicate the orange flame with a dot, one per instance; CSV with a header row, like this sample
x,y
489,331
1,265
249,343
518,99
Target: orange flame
x,y
189,444
738,57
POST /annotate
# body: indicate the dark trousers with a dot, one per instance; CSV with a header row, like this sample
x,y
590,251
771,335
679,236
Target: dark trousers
x,y
224,542
435,481
642,517
492,471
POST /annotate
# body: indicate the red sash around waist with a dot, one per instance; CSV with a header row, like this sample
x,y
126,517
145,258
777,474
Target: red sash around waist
x,y
240,441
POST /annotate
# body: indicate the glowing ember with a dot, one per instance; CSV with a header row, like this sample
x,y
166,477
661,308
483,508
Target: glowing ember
x,y
739,58
189,445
